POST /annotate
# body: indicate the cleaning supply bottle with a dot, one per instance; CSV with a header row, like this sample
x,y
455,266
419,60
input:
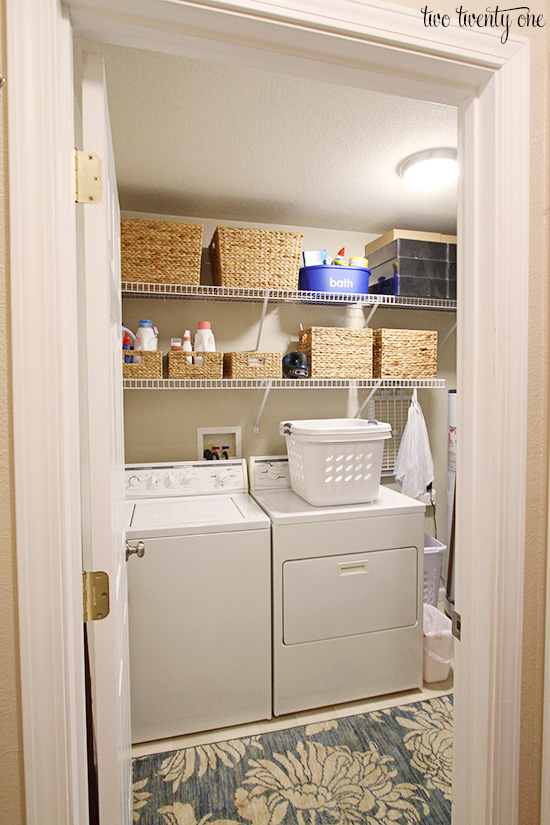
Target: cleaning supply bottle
x,y
146,339
130,333
204,340
126,345
187,346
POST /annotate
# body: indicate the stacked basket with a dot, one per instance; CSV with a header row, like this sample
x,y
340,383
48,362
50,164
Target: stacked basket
x,y
337,352
255,258
405,353
161,252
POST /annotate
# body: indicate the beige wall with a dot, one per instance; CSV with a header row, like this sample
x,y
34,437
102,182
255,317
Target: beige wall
x,y
11,753
537,443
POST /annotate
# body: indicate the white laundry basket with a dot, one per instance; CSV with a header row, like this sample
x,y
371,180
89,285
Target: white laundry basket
x,y
433,557
335,460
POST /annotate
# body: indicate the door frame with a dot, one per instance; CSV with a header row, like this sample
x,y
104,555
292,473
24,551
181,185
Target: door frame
x,y
374,45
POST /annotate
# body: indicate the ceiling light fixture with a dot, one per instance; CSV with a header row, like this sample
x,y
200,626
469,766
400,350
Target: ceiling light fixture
x,y
431,169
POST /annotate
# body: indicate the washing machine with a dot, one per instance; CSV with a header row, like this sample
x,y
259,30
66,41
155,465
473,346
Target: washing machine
x,y
347,593
199,598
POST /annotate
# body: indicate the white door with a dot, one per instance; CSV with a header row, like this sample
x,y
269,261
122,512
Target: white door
x,y
103,455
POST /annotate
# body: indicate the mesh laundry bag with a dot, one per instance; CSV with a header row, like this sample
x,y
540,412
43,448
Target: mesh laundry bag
x,y
414,467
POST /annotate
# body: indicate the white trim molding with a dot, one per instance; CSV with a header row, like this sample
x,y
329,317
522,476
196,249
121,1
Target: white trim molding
x,y
45,404
492,359
386,49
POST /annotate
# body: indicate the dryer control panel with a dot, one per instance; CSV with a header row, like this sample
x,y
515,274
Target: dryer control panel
x,y
189,478
269,472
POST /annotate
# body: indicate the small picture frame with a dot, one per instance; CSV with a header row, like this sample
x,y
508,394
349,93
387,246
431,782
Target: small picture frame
x,y
221,443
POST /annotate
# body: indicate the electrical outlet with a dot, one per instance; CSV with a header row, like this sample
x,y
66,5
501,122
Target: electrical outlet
x,y
427,498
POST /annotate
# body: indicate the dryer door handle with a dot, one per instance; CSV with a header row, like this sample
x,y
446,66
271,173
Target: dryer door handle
x,y
135,550
353,568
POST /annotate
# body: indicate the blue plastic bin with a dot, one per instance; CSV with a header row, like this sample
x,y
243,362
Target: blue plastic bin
x,y
352,280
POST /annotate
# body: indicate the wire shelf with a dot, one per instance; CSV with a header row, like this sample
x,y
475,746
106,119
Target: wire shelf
x,y
279,383
222,293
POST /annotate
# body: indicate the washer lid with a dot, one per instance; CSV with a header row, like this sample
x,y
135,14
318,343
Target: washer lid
x,y
185,515
287,507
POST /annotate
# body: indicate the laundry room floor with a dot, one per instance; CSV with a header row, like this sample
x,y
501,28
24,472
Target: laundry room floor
x,y
294,719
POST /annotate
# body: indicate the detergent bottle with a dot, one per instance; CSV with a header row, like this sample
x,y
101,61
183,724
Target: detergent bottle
x,y
204,340
146,338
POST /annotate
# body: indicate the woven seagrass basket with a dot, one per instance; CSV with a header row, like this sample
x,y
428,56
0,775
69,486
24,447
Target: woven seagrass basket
x,y
405,353
179,367
150,365
255,258
252,365
163,252
337,352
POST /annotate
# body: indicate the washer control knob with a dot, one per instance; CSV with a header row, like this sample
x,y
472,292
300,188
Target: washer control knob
x,y
185,479
171,480
222,476
133,481
273,472
154,480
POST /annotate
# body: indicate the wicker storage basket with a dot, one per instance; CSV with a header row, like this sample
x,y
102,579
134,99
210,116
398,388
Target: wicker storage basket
x,y
337,352
405,353
211,367
163,252
150,365
255,258
252,365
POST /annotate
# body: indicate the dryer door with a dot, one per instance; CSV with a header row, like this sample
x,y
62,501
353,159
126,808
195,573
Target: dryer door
x,y
336,596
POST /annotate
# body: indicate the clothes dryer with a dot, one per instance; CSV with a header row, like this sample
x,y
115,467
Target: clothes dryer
x,y
347,593
199,599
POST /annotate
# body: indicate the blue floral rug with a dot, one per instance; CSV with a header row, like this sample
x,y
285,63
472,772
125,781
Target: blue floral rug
x,y
387,767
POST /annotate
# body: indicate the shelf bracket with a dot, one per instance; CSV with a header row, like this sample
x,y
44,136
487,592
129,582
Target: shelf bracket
x,y
371,313
367,399
262,405
262,319
452,329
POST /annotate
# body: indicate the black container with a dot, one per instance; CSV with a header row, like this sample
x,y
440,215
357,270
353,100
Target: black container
x,y
417,250
411,268
415,287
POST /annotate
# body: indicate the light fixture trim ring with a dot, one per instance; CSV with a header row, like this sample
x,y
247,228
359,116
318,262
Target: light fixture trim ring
x,y
426,154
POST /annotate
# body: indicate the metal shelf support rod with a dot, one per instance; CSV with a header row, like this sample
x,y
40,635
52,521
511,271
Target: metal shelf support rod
x,y
262,405
262,319
371,313
452,329
367,399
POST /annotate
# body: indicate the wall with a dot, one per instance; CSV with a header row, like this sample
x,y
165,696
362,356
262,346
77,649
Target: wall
x,y
535,550
162,425
11,752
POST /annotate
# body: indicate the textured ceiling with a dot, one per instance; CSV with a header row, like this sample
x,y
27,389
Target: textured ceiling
x,y
222,141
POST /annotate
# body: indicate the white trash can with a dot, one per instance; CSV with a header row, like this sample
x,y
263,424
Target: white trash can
x,y
438,645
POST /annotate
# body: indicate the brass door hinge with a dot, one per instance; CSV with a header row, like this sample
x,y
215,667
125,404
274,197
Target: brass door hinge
x,y
88,179
95,595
